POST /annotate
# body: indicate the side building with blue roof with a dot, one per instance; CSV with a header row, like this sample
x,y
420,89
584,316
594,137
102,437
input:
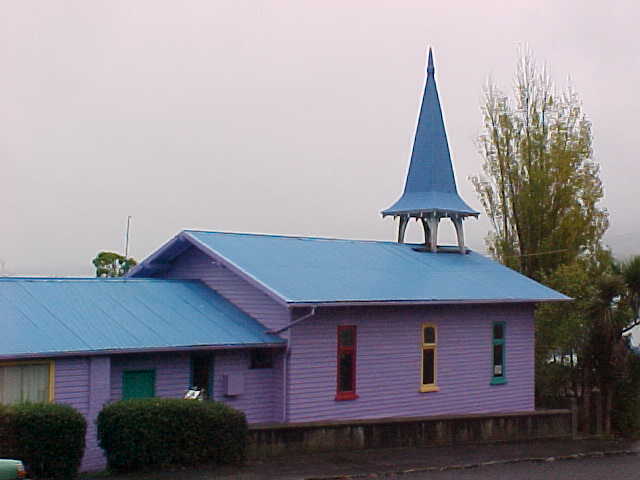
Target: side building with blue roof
x,y
290,329
88,341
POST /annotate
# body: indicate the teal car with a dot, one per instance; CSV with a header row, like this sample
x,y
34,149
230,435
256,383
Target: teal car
x,y
11,469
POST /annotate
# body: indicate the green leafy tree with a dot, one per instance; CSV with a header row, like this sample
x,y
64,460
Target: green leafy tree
x,y
584,344
562,331
111,264
630,271
540,187
605,353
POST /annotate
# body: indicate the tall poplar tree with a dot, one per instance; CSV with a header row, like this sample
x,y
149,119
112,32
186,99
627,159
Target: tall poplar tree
x,y
540,187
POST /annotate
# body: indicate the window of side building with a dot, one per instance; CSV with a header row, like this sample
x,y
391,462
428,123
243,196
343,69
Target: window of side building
x,y
26,382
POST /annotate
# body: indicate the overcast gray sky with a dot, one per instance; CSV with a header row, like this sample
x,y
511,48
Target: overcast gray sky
x,y
273,116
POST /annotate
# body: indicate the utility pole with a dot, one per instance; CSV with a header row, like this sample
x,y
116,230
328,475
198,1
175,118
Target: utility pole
x,y
126,241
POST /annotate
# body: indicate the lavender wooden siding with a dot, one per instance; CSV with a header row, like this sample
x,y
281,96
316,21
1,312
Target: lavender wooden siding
x,y
278,382
88,383
194,264
264,393
172,372
262,398
389,356
72,383
83,383
99,395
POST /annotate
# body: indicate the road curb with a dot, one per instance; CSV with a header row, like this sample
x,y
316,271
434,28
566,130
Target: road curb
x,y
404,471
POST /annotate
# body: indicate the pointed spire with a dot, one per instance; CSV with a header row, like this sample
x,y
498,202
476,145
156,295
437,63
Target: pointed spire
x,y
430,68
430,188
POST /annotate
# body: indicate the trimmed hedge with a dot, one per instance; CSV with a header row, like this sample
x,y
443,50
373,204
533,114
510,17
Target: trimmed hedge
x,y
7,435
141,433
47,437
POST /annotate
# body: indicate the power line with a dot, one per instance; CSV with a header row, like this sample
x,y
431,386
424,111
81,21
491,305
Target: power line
x,y
548,252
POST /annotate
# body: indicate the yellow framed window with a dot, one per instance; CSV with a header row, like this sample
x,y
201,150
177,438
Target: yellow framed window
x,y
26,382
428,370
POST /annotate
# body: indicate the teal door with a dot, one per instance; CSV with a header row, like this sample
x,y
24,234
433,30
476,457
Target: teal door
x,y
138,384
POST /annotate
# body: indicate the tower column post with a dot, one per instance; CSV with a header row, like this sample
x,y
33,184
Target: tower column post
x,y
432,222
402,227
427,232
457,223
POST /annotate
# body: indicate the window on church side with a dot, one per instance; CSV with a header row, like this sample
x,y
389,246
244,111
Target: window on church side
x,y
346,361
498,372
429,358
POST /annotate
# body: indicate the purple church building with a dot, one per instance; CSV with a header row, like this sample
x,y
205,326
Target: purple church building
x,y
289,329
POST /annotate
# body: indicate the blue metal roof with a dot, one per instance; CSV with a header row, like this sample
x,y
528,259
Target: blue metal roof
x,y
53,316
302,270
431,184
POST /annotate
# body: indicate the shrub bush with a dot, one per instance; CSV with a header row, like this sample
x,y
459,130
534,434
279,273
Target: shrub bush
x,y
7,436
143,433
50,439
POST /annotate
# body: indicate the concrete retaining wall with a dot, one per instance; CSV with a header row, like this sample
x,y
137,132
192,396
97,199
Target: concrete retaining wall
x,y
274,440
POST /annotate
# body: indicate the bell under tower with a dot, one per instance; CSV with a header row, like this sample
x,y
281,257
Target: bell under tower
x,y
430,192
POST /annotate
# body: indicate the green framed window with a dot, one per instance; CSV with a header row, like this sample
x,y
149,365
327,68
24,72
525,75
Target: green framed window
x,y
498,364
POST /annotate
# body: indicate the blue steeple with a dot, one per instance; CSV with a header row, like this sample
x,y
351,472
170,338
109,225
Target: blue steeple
x,y
430,191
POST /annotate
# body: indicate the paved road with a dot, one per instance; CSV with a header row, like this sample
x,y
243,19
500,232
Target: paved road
x,y
370,464
624,467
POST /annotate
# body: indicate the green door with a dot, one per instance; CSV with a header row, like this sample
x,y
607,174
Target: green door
x,y
138,384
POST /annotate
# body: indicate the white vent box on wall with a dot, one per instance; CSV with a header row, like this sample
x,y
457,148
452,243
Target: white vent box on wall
x,y
233,384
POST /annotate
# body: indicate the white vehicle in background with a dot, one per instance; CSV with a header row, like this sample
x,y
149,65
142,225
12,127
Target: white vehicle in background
x,y
12,469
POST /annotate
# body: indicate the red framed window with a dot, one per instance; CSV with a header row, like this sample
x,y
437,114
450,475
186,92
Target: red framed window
x,y
346,375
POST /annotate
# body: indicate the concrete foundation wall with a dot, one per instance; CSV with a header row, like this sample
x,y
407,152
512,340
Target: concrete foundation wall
x,y
274,440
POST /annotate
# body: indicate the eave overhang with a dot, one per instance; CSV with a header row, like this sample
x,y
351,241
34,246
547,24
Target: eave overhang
x,y
395,303
127,351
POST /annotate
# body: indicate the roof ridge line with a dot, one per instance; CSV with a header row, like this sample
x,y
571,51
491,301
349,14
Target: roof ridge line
x,y
98,279
351,240
300,237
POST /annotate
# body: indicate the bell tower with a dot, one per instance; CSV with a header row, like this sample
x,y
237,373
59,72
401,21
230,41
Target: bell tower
x,y
430,192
